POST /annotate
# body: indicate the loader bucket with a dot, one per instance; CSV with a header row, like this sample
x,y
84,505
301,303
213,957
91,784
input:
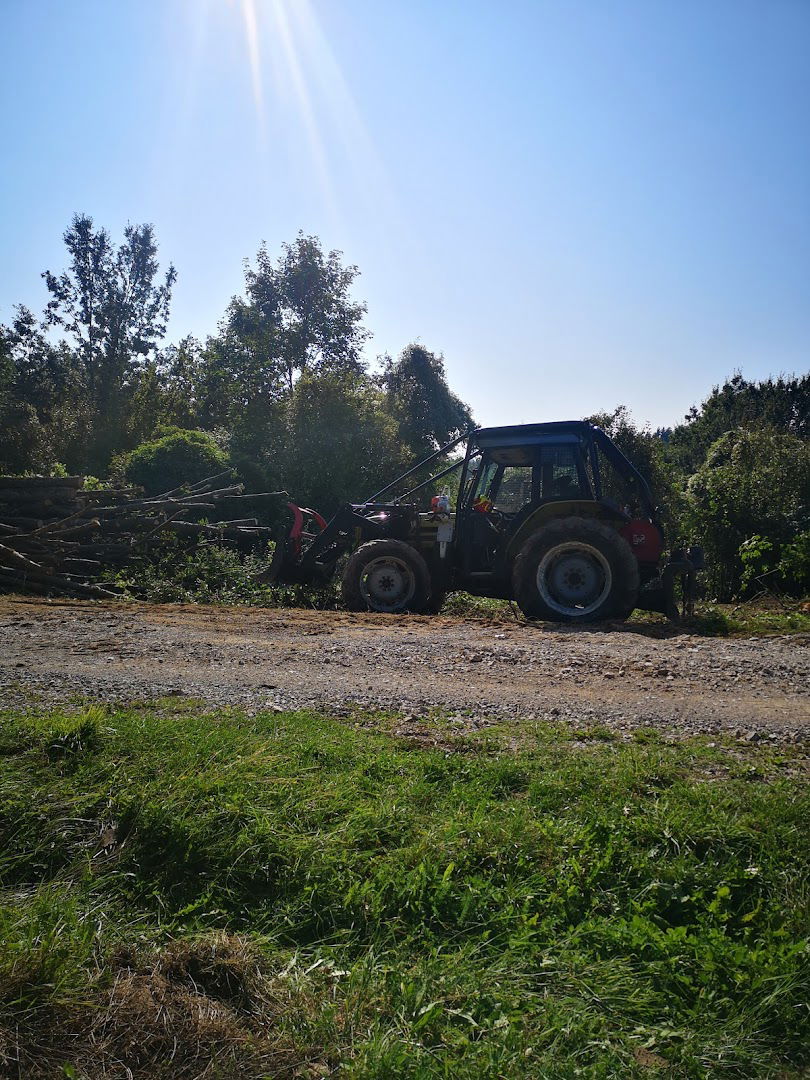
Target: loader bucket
x,y
286,567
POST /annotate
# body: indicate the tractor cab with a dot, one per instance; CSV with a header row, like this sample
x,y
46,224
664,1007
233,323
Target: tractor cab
x,y
516,478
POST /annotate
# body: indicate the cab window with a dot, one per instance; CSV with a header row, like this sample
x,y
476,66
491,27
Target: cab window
x,y
514,489
561,476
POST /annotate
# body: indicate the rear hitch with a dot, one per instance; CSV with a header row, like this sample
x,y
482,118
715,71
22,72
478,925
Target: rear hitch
x,y
683,565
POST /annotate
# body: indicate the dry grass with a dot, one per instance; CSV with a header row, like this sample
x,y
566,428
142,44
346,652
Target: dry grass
x,y
201,1008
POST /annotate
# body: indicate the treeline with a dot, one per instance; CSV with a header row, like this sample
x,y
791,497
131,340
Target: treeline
x,y
282,394
281,390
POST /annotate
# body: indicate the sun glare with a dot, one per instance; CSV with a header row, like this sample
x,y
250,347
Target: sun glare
x,y
252,38
296,77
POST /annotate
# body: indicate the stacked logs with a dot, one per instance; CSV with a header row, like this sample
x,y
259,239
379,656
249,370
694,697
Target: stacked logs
x,y
56,536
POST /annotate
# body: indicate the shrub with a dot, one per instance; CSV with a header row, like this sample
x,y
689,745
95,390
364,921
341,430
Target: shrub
x,y
177,457
752,491
794,565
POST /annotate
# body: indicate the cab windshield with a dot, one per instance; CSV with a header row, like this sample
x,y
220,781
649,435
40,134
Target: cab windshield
x,y
511,478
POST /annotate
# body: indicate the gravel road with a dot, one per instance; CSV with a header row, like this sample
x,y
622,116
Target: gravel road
x,y
477,670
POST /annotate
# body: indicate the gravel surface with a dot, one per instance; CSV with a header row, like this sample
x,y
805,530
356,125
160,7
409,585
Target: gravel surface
x,y
476,670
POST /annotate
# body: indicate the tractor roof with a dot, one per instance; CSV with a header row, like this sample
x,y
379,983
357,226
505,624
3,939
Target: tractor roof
x,y
557,431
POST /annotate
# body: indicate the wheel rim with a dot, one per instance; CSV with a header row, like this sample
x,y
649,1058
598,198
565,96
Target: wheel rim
x,y
387,584
574,579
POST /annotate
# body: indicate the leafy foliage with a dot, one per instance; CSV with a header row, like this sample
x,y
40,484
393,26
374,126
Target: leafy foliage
x,y
298,312
92,388
782,404
754,482
296,317
417,395
113,310
340,442
175,458
214,573
39,410
794,564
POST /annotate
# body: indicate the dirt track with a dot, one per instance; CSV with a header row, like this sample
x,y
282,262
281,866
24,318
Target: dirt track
x,y
624,678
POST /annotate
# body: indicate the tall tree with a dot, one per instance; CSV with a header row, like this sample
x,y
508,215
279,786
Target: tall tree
x,y
428,413
297,316
41,413
340,442
112,303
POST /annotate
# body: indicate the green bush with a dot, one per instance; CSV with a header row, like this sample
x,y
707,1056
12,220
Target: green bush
x,y
787,566
758,557
794,565
210,573
752,491
177,457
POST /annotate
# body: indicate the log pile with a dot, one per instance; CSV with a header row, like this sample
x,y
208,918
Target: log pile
x,y
56,536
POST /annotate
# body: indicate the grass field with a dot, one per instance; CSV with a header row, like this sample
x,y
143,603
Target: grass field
x,y
289,895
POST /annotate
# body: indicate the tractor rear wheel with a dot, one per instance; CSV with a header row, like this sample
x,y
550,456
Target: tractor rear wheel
x,y
576,570
388,576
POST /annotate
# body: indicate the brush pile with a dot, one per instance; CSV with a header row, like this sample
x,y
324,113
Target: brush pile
x,y
56,536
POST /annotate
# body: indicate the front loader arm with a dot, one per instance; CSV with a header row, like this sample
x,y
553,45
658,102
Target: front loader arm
x,y
306,557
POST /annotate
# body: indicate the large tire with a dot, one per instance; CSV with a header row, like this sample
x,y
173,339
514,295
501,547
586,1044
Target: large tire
x,y
576,570
388,576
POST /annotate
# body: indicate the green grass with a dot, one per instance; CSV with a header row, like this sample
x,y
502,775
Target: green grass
x,y
761,619
740,619
288,895
709,620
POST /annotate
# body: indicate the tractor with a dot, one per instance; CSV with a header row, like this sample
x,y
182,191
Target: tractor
x,y
552,516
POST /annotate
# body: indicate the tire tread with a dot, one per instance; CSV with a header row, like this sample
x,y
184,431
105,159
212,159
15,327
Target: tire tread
x,y
626,582
375,549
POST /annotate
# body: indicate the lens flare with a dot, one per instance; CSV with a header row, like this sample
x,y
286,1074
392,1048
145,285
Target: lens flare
x,y
251,24
299,89
295,71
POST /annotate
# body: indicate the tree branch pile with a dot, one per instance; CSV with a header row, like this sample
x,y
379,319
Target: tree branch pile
x,y
56,536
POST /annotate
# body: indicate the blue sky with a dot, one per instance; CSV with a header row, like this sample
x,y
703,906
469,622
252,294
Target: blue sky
x,y
580,204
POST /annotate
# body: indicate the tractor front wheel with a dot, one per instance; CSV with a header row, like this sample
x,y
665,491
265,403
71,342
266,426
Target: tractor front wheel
x,y
387,576
576,570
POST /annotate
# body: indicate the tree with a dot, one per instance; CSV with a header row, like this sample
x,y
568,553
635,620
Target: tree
x,y
112,305
340,444
782,404
755,482
187,392
297,316
41,414
21,435
427,412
